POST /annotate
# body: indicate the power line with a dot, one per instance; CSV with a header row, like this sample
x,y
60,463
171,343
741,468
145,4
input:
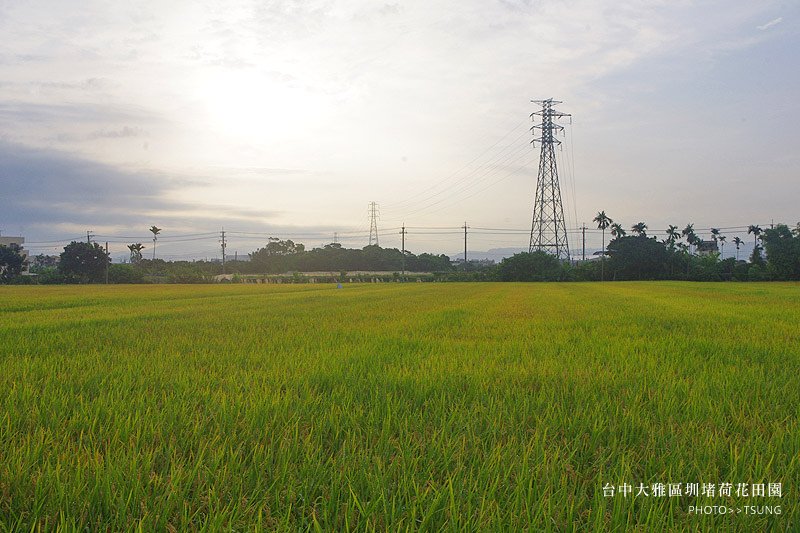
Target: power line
x,y
431,234
454,197
471,179
410,200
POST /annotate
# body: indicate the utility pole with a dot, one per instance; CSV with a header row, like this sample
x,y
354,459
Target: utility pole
x,y
107,258
465,244
224,244
373,224
89,237
403,246
548,229
583,235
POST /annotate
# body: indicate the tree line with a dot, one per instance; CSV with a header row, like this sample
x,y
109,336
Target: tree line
x,y
629,255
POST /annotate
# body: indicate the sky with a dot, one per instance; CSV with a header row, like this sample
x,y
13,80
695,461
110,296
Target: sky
x,y
286,118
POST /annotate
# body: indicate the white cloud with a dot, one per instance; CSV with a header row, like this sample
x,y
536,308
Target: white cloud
x,y
771,23
378,99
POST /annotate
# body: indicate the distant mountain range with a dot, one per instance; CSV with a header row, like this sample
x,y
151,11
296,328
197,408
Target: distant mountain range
x,y
494,254
497,254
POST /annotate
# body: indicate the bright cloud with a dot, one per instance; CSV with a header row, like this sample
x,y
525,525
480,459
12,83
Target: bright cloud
x,y
381,101
771,23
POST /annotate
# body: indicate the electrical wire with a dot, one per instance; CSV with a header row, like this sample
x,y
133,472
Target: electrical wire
x,y
410,200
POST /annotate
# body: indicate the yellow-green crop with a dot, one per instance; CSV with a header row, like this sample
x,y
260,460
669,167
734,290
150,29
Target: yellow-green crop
x,y
457,407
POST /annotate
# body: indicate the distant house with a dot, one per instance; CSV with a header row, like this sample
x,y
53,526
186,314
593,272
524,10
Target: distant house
x,y
707,247
8,241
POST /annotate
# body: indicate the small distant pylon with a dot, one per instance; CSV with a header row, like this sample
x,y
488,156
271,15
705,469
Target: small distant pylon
x,y
548,229
373,223
224,244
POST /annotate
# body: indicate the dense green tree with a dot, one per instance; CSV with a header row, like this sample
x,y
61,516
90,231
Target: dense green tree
x,y
585,271
84,262
382,259
705,267
278,255
428,263
50,275
783,253
12,261
121,273
637,257
284,256
186,272
41,262
533,266
757,258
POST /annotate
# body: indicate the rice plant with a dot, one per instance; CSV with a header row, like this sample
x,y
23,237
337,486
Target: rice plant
x,y
397,407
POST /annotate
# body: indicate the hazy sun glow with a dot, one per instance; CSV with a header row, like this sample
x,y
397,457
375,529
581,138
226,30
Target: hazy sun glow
x,y
250,105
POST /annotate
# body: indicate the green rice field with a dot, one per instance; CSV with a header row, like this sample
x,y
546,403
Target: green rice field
x,y
400,407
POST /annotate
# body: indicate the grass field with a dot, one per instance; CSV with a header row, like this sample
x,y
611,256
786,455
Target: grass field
x,y
463,407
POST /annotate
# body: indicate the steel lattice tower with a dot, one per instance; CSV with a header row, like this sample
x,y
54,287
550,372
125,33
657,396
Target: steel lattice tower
x,y
373,223
548,229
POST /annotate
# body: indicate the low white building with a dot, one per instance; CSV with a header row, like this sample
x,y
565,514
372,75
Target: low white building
x,y
706,247
8,241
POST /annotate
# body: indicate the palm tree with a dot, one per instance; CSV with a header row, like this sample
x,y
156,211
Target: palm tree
x,y
756,231
603,222
136,251
672,234
617,230
640,229
715,235
722,239
738,242
688,232
155,231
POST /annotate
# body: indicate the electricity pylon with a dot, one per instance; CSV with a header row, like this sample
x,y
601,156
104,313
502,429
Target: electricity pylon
x,y
373,223
548,229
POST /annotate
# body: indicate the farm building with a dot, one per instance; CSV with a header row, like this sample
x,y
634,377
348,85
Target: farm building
x,y
8,241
